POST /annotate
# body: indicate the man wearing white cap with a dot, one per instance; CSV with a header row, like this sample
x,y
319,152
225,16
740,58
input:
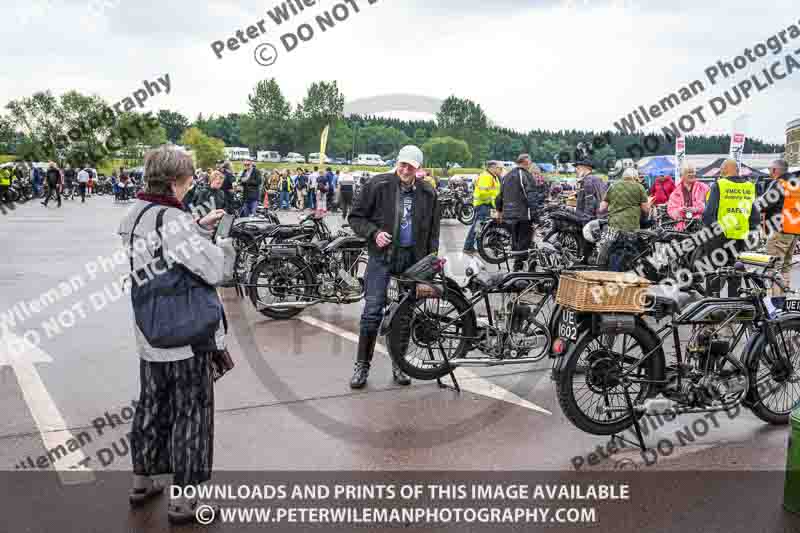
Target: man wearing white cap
x,y
399,217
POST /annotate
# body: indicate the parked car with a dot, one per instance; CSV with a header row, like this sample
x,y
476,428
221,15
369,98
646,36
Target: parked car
x,y
267,156
391,162
314,158
340,161
293,157
370,160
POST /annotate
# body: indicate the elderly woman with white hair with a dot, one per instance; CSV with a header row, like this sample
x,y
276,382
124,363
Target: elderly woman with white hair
x,y
688,200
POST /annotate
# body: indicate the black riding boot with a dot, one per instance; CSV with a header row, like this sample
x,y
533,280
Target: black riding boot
x,y
366,348
399,376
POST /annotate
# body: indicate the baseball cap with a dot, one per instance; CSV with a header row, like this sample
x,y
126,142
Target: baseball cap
x,y
410,154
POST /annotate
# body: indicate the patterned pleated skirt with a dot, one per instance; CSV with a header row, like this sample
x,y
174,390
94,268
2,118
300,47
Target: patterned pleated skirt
x,y
173,428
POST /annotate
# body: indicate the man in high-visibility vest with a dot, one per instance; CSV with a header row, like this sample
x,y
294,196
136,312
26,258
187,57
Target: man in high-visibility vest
x,y
732,214
781,206
5,183
487,187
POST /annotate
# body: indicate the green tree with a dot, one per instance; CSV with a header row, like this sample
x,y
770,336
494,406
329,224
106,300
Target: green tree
x,y
441,151
420,136
207,150
174,124
223,127
464,119
267,101
322,106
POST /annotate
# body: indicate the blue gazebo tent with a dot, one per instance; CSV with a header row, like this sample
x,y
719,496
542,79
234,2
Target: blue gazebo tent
x,y
658,166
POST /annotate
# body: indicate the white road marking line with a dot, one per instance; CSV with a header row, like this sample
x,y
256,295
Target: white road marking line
x,y
468,380
21,356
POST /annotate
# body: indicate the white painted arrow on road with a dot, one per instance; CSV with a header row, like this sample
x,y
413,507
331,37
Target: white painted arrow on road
x,y
467,379
22,356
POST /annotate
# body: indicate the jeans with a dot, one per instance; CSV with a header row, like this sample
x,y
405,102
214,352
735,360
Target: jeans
x,y
481,214
284,199
249,208
376,281
311,200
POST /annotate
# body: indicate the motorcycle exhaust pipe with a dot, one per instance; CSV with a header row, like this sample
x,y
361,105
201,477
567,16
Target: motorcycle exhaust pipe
x,y
488,361
290,305
651,410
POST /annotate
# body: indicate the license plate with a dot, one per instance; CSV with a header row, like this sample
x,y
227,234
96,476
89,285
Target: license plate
x,y
791,306
568,327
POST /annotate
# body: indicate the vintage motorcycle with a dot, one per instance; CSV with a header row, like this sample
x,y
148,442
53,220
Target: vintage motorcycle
x,y
428,337
295,273
454,204
614,368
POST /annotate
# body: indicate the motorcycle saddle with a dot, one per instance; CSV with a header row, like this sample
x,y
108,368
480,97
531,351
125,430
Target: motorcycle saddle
x,y
487,280
287,231
670,299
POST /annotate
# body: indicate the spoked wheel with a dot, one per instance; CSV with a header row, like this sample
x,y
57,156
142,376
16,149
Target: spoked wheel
x,y
494,244
426,332
466,215
566,239
280,281
774,385
594,376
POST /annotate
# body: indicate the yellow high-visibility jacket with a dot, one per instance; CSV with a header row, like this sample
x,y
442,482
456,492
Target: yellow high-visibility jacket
x,y
487,187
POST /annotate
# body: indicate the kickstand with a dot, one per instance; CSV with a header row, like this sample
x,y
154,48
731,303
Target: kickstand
x,y
635,420
455,386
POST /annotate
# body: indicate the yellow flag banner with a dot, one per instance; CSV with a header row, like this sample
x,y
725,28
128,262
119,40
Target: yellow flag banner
x,y
323,143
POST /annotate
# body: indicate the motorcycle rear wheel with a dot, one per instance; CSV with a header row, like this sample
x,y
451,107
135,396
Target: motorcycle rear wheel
x,y
494,243
595,365
283,273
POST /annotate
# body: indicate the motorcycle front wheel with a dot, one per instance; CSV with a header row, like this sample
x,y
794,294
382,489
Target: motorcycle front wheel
x,y
466,214
427,333
774,391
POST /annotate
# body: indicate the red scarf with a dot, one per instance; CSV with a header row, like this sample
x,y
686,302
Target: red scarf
x,y
161,199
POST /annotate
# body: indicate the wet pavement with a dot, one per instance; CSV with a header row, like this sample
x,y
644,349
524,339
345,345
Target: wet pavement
x,y
287,404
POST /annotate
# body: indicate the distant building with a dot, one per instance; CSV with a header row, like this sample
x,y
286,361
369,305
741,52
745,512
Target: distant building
x,y
793,142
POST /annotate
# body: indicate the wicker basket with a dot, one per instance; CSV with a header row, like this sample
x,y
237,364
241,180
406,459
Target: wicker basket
x,y
602,292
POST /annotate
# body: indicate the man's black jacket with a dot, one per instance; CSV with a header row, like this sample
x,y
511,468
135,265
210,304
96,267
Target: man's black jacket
x,y
252,187
518,196
378,209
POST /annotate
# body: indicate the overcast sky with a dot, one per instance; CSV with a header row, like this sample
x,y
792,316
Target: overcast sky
x,y
548,64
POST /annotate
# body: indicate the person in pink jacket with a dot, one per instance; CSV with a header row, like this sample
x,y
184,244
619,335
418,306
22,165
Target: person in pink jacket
x,y
688,200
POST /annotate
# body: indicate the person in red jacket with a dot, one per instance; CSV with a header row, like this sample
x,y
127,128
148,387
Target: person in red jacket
x,y
662,189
